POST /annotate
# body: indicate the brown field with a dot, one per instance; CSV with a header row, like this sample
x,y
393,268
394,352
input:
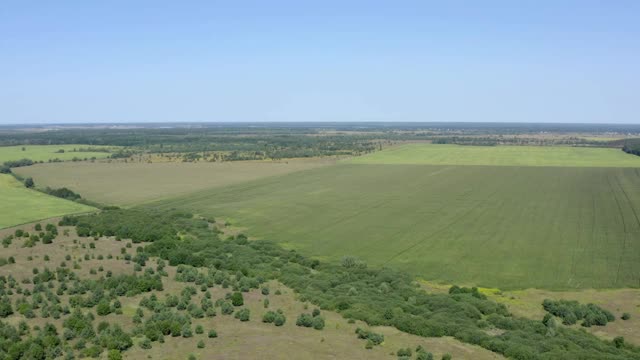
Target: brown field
x,y
120,183
236,340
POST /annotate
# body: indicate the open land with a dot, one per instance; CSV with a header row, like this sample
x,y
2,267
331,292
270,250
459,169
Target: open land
x,y
22,205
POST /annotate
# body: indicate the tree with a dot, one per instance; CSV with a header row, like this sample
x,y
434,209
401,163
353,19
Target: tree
x,y
243,315
28,182
318,323
5,308
237,299
103,308
114,355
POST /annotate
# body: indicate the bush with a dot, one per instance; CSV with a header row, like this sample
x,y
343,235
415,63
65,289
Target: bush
x,y
305,320
618,341
318,323
243,314
269,317
626,316
213,334
186,331
201,344
237,299
145,344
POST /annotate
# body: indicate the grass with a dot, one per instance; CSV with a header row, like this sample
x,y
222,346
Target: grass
x,y
507,227
561,156
21,205
49,152
236,340
133,183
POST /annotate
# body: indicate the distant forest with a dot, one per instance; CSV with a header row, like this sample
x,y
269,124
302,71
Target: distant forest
x,y
251,141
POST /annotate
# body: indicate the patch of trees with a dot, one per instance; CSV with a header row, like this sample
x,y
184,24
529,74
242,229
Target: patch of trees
x,y
571,311
372,338
18,163
63,193
377,296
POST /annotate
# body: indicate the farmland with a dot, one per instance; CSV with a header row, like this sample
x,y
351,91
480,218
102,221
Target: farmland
x,y
501,156
22,205
50,152
133,183
501,226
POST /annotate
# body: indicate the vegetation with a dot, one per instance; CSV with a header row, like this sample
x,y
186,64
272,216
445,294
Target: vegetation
x,y
22,205
376,296
449,223
571,312
427,154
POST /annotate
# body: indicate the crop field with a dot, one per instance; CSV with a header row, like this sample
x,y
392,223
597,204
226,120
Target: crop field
x,y
492,226
50,152
134,183
20,205
501,156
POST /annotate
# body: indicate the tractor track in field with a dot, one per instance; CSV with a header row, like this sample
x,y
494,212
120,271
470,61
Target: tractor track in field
x,y
441,229
624,224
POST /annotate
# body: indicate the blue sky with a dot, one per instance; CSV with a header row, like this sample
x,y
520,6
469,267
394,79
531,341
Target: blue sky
x,y
148,61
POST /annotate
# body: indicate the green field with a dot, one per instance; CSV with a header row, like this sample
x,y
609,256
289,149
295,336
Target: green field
x,y
501,156
49,152
21,205
507,227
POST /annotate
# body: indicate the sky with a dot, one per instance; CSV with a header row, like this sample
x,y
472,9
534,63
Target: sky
x,y
464,61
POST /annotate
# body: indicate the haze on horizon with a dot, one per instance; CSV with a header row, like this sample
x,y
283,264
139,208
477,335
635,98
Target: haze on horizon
x,y
253,61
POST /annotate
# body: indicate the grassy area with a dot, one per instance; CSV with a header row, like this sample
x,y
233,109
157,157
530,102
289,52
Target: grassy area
x,y
236,340
133,183
50,152
500,156
22,205
507,227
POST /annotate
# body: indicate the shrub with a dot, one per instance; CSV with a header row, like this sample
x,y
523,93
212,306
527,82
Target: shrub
x,y
318,323
237,299
626,316
186,331
243,314
305,320
201,344
269,317
145,343
199,329
213,334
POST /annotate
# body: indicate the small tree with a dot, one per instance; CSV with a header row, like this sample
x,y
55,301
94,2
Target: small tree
x,y
237,299
28,182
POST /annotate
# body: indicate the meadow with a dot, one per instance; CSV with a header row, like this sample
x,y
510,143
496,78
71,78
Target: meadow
x,y
134,183
500,226
22,205
50,152
500,156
